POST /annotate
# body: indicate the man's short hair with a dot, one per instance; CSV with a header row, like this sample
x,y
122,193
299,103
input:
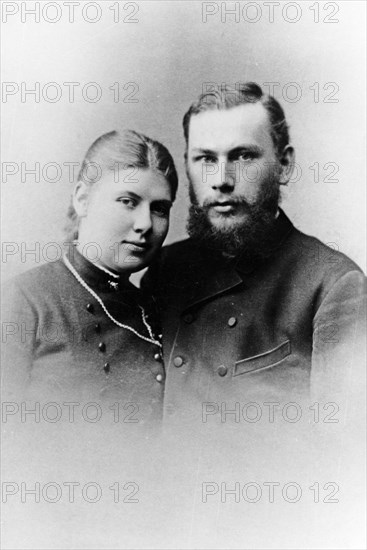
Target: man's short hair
x,y
248,92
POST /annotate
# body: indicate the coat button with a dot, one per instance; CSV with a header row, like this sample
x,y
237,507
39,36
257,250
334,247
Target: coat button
x,y
232,321
102,346
159,377
157,357
97,327
178,361
90,308
106,367
222,370
188,318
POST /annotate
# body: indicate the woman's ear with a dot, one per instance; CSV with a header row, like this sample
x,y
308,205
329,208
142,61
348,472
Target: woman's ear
x,y
287,160
80,199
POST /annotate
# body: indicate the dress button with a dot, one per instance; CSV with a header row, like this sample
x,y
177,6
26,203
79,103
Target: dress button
x,y
178,361
106,367
159,377
188,318
157,357
232,321
222,371
90,308
102,346
97,327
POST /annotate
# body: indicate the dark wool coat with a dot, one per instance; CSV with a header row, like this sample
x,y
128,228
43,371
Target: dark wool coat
x,y
59,344
267,331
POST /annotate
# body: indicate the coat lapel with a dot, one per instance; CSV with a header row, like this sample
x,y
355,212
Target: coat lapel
x,y
213,283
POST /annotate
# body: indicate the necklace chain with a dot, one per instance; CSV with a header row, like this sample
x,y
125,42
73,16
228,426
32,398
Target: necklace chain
x,y
80,280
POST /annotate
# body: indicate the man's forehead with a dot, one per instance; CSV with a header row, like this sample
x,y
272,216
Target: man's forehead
x,y
217,129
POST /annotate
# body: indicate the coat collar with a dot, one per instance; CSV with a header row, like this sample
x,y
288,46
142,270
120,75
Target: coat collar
x,y
282,228
211,273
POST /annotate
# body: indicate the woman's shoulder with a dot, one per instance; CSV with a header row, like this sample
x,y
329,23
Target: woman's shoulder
x,y
38,277
35,285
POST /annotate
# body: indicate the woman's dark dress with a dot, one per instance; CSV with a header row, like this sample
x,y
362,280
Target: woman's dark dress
x,y
58,343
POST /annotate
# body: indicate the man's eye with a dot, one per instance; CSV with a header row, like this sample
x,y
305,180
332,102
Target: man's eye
x,y
208,159
246,155
127,201
205,158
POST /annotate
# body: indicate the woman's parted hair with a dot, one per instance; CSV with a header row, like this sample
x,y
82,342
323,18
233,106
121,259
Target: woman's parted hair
x,y
125,149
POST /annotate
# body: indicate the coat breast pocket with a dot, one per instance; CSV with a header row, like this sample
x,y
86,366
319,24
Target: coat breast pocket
x,y
263,361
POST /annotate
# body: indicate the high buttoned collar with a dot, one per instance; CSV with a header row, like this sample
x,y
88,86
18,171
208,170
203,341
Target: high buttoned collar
x,y
97,278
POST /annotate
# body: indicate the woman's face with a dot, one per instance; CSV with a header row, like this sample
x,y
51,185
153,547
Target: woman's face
x,y
124,218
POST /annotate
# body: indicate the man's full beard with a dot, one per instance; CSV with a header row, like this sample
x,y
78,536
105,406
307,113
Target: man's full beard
x,y
252,239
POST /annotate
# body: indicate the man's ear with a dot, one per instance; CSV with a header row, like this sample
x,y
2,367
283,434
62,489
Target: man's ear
x,y
80,199
287,161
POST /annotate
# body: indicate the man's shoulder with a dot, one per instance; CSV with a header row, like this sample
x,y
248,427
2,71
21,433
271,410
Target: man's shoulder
x,y
303,259
302,249
174,260
178,249
309,251
183,256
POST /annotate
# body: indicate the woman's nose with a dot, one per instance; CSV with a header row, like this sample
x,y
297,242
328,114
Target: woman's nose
x,y
142,219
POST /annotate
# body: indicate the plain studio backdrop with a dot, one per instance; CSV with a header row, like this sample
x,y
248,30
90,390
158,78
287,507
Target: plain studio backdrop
x,y
140,65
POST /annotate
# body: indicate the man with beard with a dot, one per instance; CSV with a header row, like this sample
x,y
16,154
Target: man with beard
x,y
253,310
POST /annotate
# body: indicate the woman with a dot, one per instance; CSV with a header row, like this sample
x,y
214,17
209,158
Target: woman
x,y
81,329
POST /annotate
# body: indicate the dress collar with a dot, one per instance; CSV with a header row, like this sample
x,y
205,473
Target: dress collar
x,y
98,278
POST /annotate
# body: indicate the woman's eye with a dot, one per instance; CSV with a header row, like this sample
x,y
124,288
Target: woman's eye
x,y
127,201
162,211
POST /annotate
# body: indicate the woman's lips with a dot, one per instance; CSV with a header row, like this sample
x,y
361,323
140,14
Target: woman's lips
x,y
136,247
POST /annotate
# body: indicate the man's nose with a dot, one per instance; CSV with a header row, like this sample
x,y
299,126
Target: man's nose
x,y
226,179
142,219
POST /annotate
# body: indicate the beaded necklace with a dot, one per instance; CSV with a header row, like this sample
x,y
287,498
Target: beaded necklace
x,y
152,340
